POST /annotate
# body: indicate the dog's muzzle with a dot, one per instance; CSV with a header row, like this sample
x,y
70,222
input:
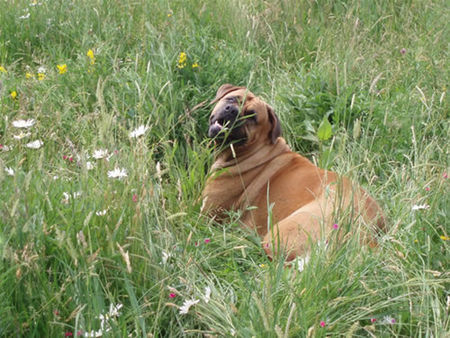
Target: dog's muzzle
x,y
223,120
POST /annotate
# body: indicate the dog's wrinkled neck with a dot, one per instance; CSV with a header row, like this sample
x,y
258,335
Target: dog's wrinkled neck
x,y
242,159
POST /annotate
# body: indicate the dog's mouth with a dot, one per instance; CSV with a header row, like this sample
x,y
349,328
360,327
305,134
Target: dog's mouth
x,y
216,128
224,130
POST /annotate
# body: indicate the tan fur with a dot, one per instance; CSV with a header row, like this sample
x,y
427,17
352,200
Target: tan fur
x,y
306,199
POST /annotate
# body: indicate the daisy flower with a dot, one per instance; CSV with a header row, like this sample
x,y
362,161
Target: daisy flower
x,y
35,144
420,207
388,320
187,305
101,212
24,17
104,321
9,171
139,131
21,135
165,257
117,173
23,123
301,263
100,153
207,295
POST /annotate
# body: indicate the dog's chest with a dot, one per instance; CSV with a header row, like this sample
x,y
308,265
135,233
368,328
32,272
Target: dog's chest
x,y
228,192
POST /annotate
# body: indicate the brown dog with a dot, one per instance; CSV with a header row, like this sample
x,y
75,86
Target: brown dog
x,y
257,169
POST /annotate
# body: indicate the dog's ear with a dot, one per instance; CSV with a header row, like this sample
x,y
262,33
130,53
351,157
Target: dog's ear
x,y
275,131
224,90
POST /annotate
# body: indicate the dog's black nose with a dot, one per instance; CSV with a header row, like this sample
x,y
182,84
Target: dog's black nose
x,y
214,129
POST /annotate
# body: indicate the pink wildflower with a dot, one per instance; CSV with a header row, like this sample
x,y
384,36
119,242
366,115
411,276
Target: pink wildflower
x,y
445,175
207,240
335,226
68,334
322,323
427,188
373,320
403,51
135,198
172,295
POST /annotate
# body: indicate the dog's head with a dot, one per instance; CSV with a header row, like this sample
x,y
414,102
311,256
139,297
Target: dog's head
x,y
241,118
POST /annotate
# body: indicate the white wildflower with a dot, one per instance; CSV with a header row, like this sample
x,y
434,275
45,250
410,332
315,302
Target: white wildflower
x,y
420,207
24,17
139,131
207,295
41,70
4,147
89,165
388,320
24,123
165,257
35,144
21,135
117,173
301,262
9,171
104,325
101,212
66,198
100,153
187,305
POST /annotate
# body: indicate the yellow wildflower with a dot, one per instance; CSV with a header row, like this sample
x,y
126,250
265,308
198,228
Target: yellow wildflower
x,y
169,15
41,76
445,238
195,65
28,75
13,94
90,54
182,60
3,70
62,68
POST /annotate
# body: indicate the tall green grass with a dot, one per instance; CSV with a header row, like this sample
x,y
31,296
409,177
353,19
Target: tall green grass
x,y
376,70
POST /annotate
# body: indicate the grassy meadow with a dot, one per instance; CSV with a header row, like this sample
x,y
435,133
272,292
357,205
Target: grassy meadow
x,y
100,226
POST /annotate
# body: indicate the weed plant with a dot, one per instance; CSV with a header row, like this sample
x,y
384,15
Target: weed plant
x,y
360,88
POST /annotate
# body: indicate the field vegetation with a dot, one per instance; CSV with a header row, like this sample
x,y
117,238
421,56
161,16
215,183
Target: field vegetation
x,y
104,110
